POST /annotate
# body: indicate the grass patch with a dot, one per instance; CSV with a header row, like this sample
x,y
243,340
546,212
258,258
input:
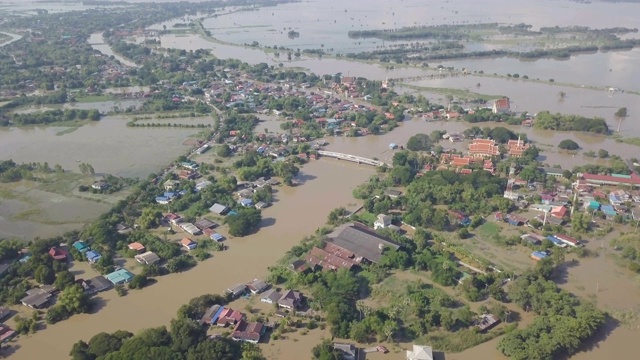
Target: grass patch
x,y
462,339
94,98
26,215
67,131
488,230
458,93
631,141
7,194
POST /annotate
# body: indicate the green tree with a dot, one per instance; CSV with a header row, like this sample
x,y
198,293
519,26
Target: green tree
x,y
621,113
568,144
75,300
325,351
245,222
138,282
150,218
64,279
45,275
223,150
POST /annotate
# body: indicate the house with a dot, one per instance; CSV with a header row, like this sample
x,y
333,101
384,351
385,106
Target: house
x,y
290,300
245,193
420,352
120,277
558,212
298,266
236,290
190,228
383,221
261,205
538,255
213,235
484,147
4,313
347,351
147,258
501,106
392,193
93,256
229,316
219,209
210,315
171,185
556,241
38,297
173,219
136,246
567,239
555,172
246,202
249,332
270,297
360,240
515,220
95,285
202,184
608,210
257,286
188,243
58,253
487,321
532,239
326,260
81,246
100,185
123,229
203,224
6,333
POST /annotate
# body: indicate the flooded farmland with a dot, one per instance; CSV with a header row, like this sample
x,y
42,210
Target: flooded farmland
x,y
108,145
297,212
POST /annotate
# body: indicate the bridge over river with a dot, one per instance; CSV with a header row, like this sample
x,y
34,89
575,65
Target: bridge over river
x,y
349,157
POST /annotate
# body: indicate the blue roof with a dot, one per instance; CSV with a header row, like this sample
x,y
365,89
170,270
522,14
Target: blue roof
x,y
217,237
217,315
232,213
93,255
169,194
246,202
539,254
25,258
555,240
607,209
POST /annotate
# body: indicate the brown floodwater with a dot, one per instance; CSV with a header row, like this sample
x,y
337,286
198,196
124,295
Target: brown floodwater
x,y
97,42
298,212
108,145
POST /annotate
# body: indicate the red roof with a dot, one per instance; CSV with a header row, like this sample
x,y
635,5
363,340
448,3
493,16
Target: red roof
x,y
502,103
484,147
559,212
566,238
327,260
634,179
58,253
186,242
136,246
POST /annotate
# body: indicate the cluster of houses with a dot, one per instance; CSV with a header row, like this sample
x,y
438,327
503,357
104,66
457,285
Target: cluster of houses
x,y
202,226
6,333
244,330
41,296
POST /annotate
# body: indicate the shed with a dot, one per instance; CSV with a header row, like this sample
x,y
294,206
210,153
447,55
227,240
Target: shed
x,y
147,258
219,209
246,202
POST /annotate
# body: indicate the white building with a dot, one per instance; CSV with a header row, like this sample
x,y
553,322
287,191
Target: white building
x,y
383,221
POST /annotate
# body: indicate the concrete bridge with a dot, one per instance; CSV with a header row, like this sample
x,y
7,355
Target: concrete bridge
x,y
348,157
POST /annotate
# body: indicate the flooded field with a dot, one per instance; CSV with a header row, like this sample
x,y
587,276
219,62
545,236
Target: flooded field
x,y
97,42
327,22
108,145
246,259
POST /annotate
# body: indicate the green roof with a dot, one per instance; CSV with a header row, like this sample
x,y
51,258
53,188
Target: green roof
x,y
120,276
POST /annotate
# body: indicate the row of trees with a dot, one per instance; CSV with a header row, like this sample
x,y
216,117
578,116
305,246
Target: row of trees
x,y
49,117
547,121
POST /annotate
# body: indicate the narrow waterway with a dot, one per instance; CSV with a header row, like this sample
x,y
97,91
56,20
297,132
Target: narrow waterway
x,y
96,41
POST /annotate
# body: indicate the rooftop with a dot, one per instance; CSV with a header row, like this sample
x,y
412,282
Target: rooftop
x,y
361,241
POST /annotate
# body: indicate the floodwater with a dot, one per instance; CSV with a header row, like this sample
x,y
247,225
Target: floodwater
x,y
96,41
14,37
327,22
246,259
378,146
108,145
611,69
